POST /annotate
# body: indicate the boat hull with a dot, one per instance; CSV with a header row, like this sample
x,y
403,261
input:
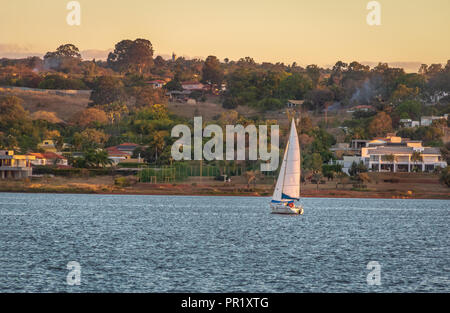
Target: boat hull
x,y
284,209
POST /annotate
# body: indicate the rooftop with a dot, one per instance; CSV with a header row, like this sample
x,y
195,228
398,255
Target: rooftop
x,y
402,150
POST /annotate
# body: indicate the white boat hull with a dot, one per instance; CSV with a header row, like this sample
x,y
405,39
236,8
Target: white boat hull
x,y
284,209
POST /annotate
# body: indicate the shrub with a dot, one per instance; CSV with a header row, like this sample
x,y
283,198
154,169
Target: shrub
x,y
445,176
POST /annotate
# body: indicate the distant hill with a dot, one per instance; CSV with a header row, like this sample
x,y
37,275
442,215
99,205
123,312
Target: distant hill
x,y
64,103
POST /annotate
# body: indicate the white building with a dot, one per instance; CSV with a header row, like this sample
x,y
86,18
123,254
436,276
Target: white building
x,y
428,120
408,123
347,162
399,159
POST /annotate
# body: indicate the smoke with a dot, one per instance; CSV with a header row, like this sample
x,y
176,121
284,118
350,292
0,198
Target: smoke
x,y
368,90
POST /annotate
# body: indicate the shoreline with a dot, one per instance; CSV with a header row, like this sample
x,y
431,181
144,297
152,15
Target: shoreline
x,y
338,194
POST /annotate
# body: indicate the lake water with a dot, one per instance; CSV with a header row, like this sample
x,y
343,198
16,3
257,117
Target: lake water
x,y
221,244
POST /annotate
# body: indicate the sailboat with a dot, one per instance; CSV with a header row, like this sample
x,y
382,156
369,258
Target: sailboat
x,y
287,189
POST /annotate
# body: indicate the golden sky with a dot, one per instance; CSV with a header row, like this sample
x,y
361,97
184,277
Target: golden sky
x,y
305,31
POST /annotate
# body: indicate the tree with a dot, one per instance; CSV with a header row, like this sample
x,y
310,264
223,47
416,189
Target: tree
x,y
50,117
157,145
132,56
380,125
66,50
12,113
228,117
92,158
317,177
212,71
316,162
445,176
89,117
410,108
147,95
66,58
313,72
403,92
416,157
391,159
319,98
92,138
174,84
295,86
251,177
107,89
357,168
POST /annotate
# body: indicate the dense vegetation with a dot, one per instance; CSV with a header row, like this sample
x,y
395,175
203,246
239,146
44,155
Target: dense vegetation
x,y
124,108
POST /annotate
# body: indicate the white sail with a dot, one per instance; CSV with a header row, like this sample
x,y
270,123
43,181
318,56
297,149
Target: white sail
x,y
279,186
291,184
288,183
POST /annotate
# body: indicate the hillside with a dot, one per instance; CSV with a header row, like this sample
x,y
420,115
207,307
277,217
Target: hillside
x,y
64,103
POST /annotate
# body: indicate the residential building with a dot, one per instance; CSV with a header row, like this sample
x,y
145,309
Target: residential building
x,y
428,120
48,159
47,145
393,154
39,160
15,166
156,83
409,123
363,108
191,86
400,158
294,103
347,162
121,152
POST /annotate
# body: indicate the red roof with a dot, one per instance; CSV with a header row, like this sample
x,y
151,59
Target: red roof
x,y
115,151
52,155
37,155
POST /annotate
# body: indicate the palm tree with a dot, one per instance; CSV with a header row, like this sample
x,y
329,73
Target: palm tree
x,y
416,157
391,159
251,177
317,177
101,158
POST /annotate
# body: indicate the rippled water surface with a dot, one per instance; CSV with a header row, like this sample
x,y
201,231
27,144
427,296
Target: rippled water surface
x,y
221,244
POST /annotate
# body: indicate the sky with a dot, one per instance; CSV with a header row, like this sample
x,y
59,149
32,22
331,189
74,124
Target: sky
x,y
303,31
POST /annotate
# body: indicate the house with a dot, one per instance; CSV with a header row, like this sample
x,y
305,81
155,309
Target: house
x,y
347,162
15,166
363,108
192,86
438,95
357,144
399,158
428,120
294,103
48,159
176,95
393,153
121,152
156,83
47,145
408,123
39,160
